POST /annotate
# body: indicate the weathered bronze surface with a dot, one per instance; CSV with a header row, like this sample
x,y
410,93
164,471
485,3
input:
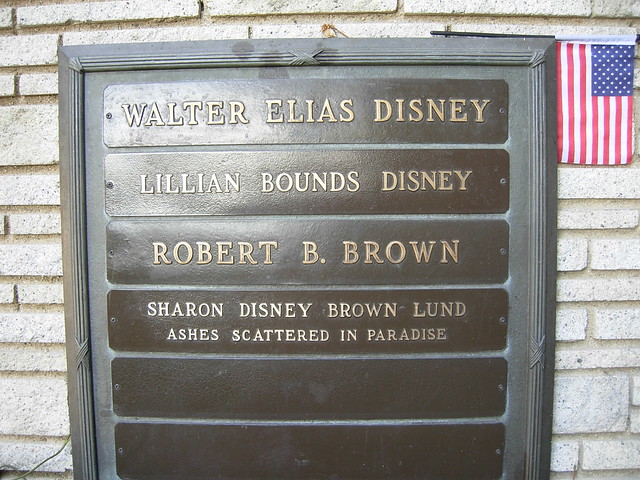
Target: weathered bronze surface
x,y
321,259
338,321
274,452
308,182
314,110
309,389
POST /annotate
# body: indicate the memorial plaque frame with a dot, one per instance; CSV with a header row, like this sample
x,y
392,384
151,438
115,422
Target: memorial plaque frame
x,y
526,66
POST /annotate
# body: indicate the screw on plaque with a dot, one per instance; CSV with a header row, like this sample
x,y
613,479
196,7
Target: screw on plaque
x,y
503,110
111,253
109,184
503,181
503,320
109,116
503,251
113,320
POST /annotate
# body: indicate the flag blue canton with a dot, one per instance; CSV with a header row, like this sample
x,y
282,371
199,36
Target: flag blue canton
x,y
612,70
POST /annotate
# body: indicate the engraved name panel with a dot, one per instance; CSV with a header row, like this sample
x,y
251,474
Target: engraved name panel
x,y
308,182
292,251
343,321
296,111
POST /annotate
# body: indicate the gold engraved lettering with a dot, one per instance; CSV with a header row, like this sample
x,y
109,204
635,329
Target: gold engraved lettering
x,y
274,114
310,181
274,310
186,309
347,114
439,309
358,310
192,108
223,251
237,112
420,180
310,253
193,334
160,115
456,110
480,109
279,335
406,334
183,253
190,183
215,117
396,252
154,116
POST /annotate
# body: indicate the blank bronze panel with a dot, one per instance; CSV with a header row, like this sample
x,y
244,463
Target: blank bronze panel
x,y
443,110
342,321
307,182
285,250
305,452
271,388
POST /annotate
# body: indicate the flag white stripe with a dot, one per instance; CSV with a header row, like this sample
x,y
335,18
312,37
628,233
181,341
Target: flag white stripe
x,y
611,160
577,106
600,130
624,130
588,104
565,104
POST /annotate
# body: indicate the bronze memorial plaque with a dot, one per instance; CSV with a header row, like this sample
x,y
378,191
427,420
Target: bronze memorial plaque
x,y
311,259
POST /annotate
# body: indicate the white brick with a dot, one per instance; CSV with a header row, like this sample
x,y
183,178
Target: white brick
x,y
7,85
578,8
26,358
598,289
38,259
144,35
106,11
33,407
29,190
618,254
636,78
20,125
572,254
617,324
19,327
2,220
498,26
611,454
571,324
616,8
598,182
353,30
598,358
26,455
29,50
39,84
34,224
591,404
635,392
40,294
583,219
5,18
280,7
634,421
7,293
564,456
48,476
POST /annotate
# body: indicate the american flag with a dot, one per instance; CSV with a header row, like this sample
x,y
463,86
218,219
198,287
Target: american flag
x,y
595,100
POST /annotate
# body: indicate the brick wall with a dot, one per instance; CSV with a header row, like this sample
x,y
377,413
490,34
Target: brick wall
x,y
597,401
